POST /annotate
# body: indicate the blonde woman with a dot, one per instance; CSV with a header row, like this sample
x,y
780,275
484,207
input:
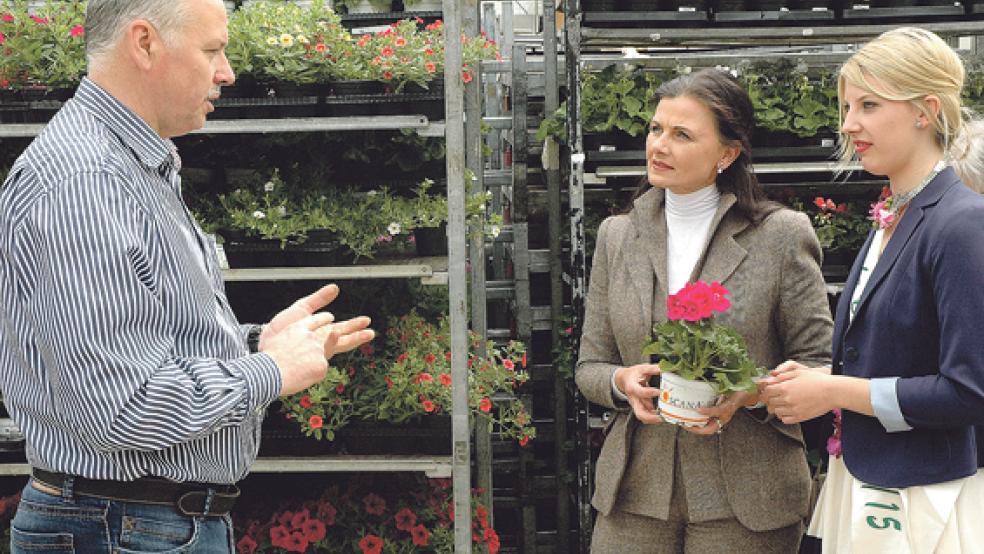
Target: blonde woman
x,y
908,348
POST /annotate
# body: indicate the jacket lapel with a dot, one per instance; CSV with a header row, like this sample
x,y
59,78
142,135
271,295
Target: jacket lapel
x,y
646,252
910,221
842,315
719,264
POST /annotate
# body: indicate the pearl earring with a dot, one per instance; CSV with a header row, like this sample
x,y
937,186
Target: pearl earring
x,y
720,169
919,125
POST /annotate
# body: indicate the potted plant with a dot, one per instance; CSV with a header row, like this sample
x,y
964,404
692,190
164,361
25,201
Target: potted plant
x,y
791,101
841,230
269,224
362,514
283,42
699,358
428,215
43,52
410,380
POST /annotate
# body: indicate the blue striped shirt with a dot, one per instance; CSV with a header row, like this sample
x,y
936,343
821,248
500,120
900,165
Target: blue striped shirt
x,y
119,354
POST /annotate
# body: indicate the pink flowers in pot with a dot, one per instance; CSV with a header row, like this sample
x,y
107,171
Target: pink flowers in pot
x,y
696,347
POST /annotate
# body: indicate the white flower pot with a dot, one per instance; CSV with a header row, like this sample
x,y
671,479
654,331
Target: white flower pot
x,y
680,398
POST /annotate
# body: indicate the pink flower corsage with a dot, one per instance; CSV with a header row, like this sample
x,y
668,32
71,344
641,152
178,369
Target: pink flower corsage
x,y
834,442
881,213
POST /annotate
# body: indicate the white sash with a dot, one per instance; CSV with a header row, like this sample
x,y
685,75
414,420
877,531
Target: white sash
x,y
942,518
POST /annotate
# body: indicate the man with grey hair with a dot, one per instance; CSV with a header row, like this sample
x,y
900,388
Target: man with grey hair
x,y
139,393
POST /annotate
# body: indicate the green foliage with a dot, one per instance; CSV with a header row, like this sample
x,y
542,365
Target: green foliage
x,y
788,98
266,210
282,41
410,377
973,91
363,221
612,99
704,351
839,227
45,47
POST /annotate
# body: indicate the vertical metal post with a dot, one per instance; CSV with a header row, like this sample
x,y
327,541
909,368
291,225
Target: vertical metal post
x,y
551,103
457,280
521,258
572,51
479,320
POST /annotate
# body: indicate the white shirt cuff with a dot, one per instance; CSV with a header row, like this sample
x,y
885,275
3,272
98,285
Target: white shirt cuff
x,y
617,394
885,403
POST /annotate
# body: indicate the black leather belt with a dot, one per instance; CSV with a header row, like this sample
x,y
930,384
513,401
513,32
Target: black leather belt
x,y
187,498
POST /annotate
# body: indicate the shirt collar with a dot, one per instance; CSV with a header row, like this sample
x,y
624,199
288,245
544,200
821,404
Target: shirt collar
x,y
150,148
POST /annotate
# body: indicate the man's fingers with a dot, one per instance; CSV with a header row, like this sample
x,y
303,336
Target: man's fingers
x,y
318,320
318,299
344,343
350,326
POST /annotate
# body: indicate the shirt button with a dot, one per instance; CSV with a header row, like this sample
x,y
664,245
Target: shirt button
x,y
851,354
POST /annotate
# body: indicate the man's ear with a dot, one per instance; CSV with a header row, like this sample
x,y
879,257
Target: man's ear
x,y
139,43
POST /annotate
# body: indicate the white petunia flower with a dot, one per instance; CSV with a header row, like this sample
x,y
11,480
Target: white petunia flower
x,y
282,210
258,214
394,228
269,186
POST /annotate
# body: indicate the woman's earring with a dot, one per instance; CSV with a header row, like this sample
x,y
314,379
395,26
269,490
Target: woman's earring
x,y
720,169
919,124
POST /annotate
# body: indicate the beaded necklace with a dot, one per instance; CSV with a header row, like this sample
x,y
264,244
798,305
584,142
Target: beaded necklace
x,y
884,212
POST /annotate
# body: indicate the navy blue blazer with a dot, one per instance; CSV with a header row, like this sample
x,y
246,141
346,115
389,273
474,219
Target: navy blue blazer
x,y
920,319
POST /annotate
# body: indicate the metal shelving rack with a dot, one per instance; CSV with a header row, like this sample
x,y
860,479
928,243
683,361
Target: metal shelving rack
x,y
682,44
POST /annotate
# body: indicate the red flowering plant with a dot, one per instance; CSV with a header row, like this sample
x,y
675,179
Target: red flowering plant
x,y
696,347
285,42
418,381
403,53
366,516
8,508
42,48
839,226
410,378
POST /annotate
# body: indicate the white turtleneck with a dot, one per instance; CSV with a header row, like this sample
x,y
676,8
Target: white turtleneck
x,y
688,220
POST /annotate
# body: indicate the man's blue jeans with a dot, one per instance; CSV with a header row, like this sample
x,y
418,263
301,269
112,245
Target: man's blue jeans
x,y
53,524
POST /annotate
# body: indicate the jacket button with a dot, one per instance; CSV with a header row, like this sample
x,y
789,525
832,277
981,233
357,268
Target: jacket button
x,y
851,354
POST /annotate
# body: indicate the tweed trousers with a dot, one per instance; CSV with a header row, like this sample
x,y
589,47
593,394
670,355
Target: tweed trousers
x,y
624,533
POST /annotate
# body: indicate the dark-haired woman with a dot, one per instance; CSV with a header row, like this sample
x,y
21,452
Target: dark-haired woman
x,y
740,483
